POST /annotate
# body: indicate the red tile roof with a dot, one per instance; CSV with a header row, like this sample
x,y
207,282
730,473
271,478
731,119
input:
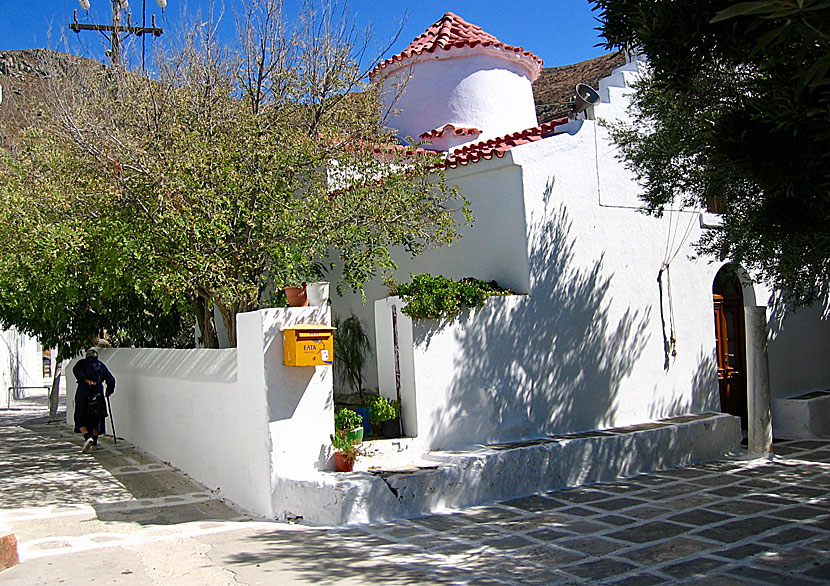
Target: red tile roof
x,y
497,147
457,130
486,149
452,31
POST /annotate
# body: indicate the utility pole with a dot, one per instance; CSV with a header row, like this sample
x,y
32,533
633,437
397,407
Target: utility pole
x,y
115,30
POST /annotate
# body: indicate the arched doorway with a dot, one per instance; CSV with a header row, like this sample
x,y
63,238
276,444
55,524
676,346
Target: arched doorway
x,y
731,342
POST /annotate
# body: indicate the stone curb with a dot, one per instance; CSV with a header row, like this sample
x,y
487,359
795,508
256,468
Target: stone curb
x,y
8,548
496,473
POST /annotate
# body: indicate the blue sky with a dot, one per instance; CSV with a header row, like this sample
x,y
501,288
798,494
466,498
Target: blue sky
x,y
559,31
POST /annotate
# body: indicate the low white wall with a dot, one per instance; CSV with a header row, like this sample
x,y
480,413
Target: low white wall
x,y
233,419
509,372
799,350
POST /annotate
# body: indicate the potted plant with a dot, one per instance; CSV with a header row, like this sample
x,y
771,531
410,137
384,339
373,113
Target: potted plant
x,y
317,292
349,424
381,410
346,451
296,295
352,348
304,284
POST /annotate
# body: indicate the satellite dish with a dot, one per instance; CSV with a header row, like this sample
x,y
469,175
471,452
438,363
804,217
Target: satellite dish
x,y
84,4
162,4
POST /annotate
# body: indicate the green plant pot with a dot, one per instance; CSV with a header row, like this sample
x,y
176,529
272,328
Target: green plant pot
x,y
355,435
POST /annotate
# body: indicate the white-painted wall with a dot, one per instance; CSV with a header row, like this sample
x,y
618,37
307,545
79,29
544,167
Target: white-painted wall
x,y
585,349
493,248
484,88
21,363
799,350
236,420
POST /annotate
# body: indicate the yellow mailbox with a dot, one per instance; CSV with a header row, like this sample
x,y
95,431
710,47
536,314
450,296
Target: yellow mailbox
x,y
308,345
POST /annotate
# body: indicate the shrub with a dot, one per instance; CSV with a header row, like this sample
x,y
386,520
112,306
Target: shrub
x,y
351,347
435,297
346,419
382,409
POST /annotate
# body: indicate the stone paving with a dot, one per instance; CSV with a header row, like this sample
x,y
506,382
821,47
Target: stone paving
x,y
139,521
727,522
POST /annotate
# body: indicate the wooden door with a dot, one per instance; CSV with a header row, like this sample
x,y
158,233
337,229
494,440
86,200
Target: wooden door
x,y
731,355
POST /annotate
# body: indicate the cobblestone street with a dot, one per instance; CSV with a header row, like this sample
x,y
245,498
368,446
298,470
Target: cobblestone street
x,y
136,520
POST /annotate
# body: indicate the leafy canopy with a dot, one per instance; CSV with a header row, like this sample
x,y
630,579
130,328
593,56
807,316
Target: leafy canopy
x,y
234,171
735,114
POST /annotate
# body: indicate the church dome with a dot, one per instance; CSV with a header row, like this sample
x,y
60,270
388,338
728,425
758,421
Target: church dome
x,y
456,84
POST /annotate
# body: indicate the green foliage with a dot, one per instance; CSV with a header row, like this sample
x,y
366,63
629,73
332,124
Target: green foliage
x,y
64,276
346,420
351,347
347,446
736,110
435,297
382,409
233,171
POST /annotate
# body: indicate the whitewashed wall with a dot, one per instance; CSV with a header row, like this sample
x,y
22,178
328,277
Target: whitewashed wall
x,y
21,363
494,247
799,350
585,348
235,420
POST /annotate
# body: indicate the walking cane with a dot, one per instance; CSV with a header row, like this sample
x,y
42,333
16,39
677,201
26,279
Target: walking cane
x,y
112,422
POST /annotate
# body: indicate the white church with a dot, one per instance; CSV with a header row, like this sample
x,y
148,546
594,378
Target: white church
x,y
619,323
621,352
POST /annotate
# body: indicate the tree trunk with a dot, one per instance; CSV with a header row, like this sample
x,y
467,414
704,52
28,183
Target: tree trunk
x,y
207,326
229,319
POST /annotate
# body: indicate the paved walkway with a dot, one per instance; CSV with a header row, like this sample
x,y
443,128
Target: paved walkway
x,y
123,517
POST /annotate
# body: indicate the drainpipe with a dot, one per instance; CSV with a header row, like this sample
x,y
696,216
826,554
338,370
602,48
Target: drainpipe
x,y
759,418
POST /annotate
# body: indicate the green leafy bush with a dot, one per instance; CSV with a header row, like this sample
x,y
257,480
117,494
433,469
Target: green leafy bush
x,y
382,409
346,446
346,419
435,297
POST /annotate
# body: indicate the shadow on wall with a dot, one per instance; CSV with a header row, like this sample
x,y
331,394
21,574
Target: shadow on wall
x,y
798,342
705,396
552,363
190,364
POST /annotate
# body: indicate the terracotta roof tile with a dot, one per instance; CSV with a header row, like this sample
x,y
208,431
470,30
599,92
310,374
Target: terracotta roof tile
x,y
497,147
486,149
457,130
452,31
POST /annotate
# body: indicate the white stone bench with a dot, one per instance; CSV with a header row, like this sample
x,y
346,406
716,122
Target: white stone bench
x,y
804,416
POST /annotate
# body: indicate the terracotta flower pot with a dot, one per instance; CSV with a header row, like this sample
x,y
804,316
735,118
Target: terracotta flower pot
x,y
343,463
296,296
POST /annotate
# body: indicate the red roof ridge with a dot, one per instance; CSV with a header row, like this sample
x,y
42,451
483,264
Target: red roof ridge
x,y
452,31
457,130
485,149
498,146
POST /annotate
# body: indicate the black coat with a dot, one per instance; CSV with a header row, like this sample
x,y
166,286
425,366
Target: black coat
x,y
96,371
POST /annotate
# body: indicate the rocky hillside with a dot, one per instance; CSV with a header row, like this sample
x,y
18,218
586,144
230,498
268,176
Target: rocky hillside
x,y
25,77
554,90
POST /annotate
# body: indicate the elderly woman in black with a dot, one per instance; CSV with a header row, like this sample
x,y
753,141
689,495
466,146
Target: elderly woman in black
x,y
90,406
